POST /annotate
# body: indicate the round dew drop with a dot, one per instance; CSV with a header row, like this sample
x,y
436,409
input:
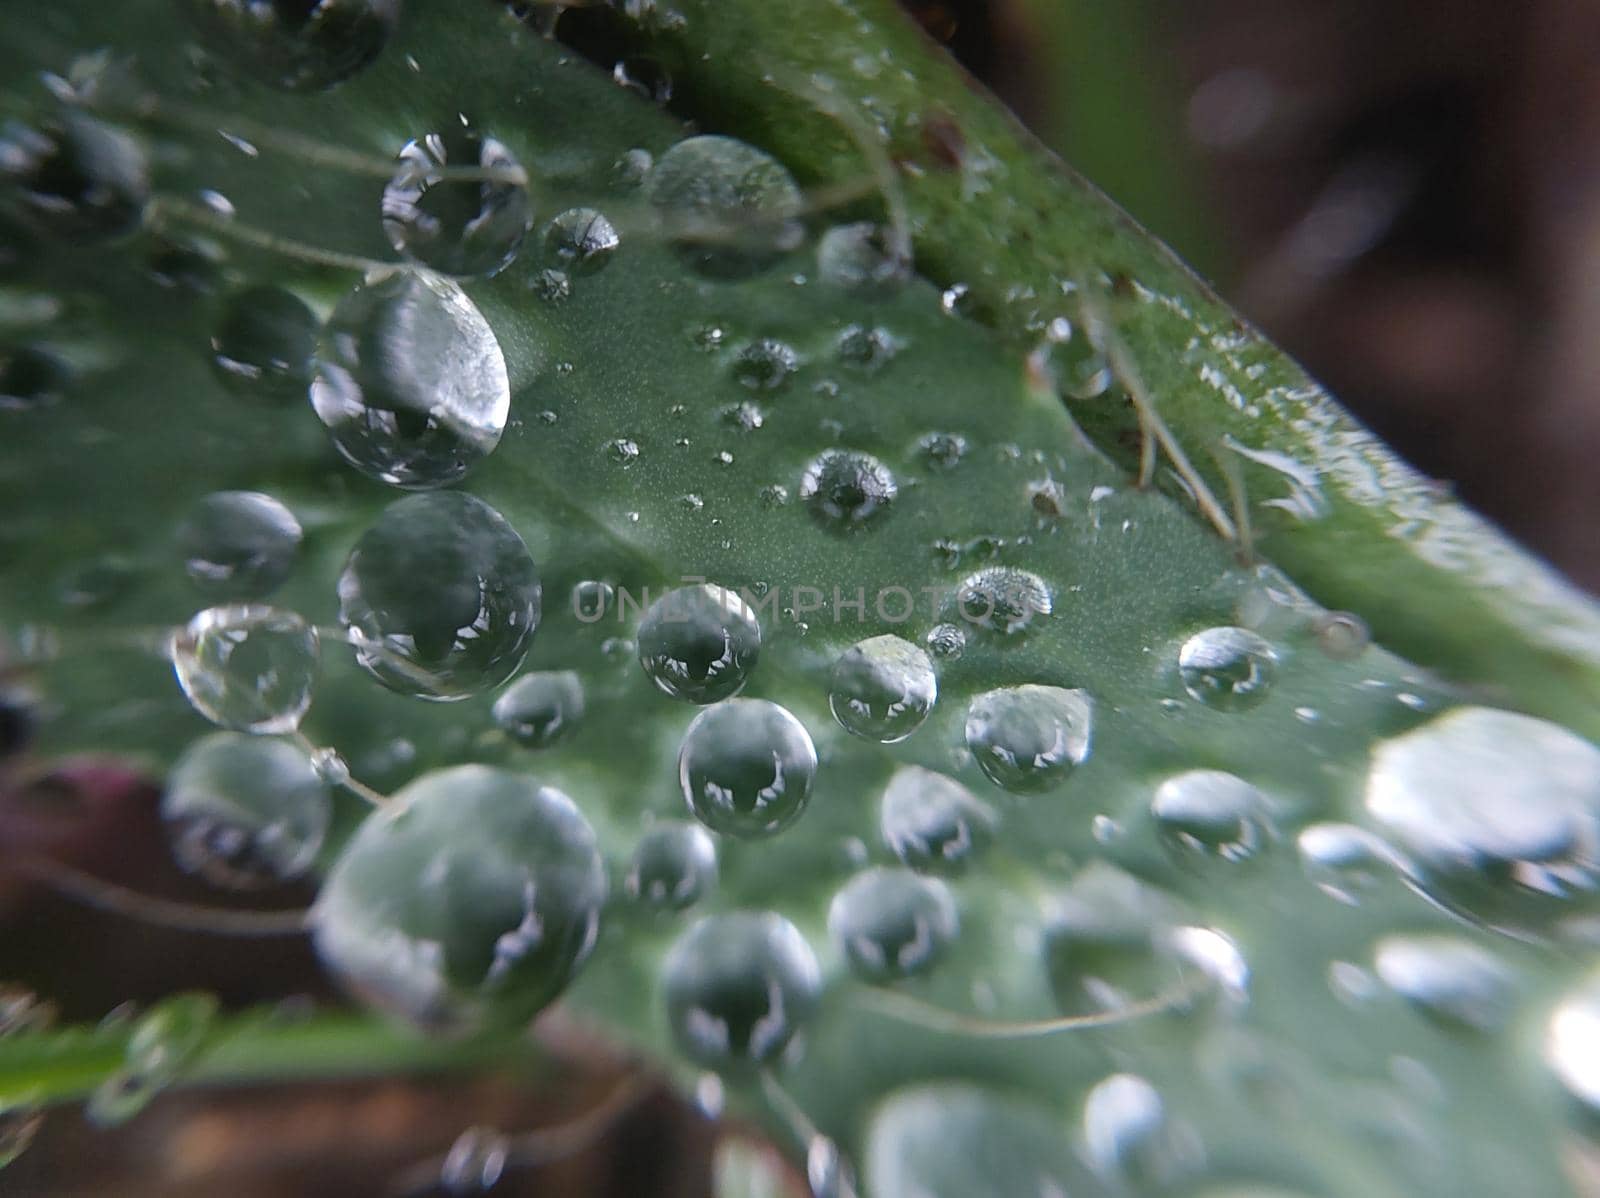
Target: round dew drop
x,y
1127,1136
410,381
1108,943
1447,978
31,377
79,179
581,240
440,596
738,987
1003,599
1029,738
245,811
1212,813
699,643
163,1043
947,641
892,923
731,209
882,689
249,667
298,47
457,226
264,345
1228,669
746,768
239,544
845,489
856,257
472,898
537,710
932,823
674,866
765,365
1569,1043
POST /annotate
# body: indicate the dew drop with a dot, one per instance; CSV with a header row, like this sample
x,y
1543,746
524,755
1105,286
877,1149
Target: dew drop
x,y
1345,862
699,643
473,897
942,450
892,923
1106,942
623,451
537,710
644,77
239,544
739,987
827,1173
440,597
1027,739
247,667
947,642
1004,599
846,489
298,45
765,365
932,823
31,377
458,226
411,381
957,300
674,865
1341,635
1228,669
164,1041
856,257
746,768
1448,978
1572,1043
581,240
264,344
865,348
632,168
475,1163
245,812
882,689
77,179
552,286
731,209
1211,813
1076,358
1127,1137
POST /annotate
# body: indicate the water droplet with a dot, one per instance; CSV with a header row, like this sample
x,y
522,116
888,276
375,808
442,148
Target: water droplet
x,y
537,710
264,344
746,768
475,1162
31,377
738,987
827,1173
411,381
943,450
856,257
645,77
474,896
1027,739
244,812
581,240
892,923
247,667
933,823
674,865
882,689
1106,942
333,769
846,489
78,179
552,286
731,209
1076,358
623,451
1572,1043
957,300
1343,861
1229,669
1341,635
1211,812
239,544
630,171
440,597
774,495
1448,978
699,643
296,46
868,349
21,1013
947,641
1004,599
591,599
765,365
745,417
458,226
163,1043
1127,1136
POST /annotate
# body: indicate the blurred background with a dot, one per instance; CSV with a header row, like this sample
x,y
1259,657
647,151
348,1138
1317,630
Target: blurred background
x,y
1404,193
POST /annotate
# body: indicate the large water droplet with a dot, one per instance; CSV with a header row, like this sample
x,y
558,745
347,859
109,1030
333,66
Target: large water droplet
x,y
882,689
1211,812
731,208
440,596
1107,942
892,923
474,896
78,178
674,865
1004,599
1572,1043
699,643
239,544
1029,738
845,489
165,1040
1448,978
297,45
411,381
245,811
857,257
1229,669
581,240
539,709
1127,1136
746,767
248,667
460,226
933,823
738,987
264,344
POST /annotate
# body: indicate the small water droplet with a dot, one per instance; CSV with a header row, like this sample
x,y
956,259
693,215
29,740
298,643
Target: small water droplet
x,y
552,286
537,710
77,179
1228,669
239,544
731,209
846,489
745,417
765,365
1106,942
1127,1136
623,452
581,240
942,450
674,865
933,823
440,597
31,377
1211,812
247,667
1029,738
475,1162
699,643
1572,1043
1448,978
457,226
856,257
746,767
739,987
164,1041
295,46
892,923
1004,599
645,77
882,689
1345,862
1341,635
630,171
957,300
947,642
410,381
1075,356
865,348
264,344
